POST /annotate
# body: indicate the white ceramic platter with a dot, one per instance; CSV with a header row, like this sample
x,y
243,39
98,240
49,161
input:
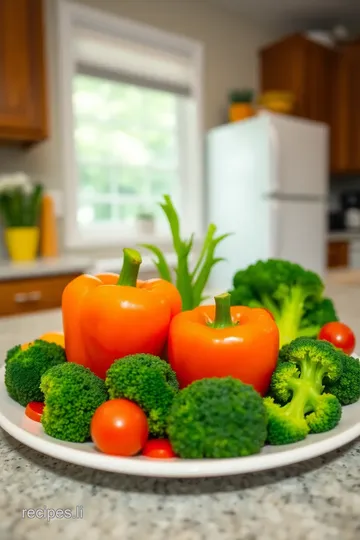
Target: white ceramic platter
x,y
30,433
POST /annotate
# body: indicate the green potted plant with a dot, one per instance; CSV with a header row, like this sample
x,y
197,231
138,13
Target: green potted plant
x,y
20,207
241,104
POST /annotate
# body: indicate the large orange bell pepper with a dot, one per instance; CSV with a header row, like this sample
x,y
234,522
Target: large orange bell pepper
x,y
221,341
106,317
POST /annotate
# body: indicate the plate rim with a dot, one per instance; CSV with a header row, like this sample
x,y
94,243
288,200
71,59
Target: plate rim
x,y
173,468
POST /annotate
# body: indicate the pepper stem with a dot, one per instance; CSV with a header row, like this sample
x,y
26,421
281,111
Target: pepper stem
x,y
130,268
222,312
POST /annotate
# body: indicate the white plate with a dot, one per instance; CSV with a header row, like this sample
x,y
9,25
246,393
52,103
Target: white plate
x,y
30,433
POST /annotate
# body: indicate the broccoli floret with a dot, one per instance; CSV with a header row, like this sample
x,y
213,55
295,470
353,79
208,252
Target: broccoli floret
x,y
148,381
297,404
347,387
326,414
72,395
281,381
316,360
283,353
217,418
24,368
292,294
286,425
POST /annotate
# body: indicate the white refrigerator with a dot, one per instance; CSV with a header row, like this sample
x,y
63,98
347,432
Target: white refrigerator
x,y
267,183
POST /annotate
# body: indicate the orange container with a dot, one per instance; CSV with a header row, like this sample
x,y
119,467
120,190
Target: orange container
x,y
240,111
48,239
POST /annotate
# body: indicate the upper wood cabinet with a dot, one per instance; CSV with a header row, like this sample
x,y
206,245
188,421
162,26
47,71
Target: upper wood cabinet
x,y
346,111
23,92
303,67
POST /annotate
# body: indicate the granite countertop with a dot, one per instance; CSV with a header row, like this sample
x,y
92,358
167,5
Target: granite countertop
x,y
65,264
315,500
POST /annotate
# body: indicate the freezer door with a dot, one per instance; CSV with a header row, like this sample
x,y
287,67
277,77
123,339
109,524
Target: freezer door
x,y
299,233
299,152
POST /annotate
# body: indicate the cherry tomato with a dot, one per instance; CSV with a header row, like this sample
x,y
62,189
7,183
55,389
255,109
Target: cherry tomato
x,y
34,410
119,427
158,448
340,335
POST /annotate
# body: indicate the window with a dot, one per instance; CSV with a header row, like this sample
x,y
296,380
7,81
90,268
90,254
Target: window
x,y
131,127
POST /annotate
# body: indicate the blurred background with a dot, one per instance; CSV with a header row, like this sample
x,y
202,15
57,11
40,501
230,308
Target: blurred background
x,y
245,112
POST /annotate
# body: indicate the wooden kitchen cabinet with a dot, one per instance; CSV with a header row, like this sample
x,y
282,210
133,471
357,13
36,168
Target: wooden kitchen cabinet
x,y
338,254
23,90
29,295
346,111
303,67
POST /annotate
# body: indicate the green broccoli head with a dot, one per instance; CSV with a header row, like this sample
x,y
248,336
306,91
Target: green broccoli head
x,y
217,418
316,359
11,352
292,294
347,387
316,315
72,395
326,414
24,368
148,381
285,425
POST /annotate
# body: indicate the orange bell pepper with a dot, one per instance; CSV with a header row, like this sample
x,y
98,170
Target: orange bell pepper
x,y
106,317
221,341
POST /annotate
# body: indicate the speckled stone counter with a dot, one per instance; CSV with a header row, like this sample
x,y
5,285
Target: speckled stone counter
x,y
315,500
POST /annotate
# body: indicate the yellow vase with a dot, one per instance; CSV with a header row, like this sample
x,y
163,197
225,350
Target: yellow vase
x,y
22,243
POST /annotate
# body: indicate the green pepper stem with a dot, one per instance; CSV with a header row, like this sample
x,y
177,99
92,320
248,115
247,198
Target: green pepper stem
x,y
222,312
130,268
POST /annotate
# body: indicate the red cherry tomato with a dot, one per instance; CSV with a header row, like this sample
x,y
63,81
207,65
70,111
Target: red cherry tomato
x,y
159,449
119,427
340,335
34,410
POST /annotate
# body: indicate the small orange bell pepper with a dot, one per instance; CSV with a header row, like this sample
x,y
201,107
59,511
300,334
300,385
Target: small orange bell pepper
x,y
52,337
106,317
222,341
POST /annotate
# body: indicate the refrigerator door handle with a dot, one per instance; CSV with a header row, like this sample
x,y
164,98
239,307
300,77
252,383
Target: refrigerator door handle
x,y
275,229
274,160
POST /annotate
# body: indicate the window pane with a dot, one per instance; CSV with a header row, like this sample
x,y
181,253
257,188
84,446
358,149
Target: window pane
x,y
102,212
94,178
127,213
126,141
128,180
161,182
90,213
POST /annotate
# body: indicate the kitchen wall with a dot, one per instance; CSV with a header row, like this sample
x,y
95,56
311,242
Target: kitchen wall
x,y
230,42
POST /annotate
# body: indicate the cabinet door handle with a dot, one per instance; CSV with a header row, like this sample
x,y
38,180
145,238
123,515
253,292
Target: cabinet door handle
x,y
34,296
24,298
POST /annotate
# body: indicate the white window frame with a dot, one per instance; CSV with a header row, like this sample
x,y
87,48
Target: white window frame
x,y
192,167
